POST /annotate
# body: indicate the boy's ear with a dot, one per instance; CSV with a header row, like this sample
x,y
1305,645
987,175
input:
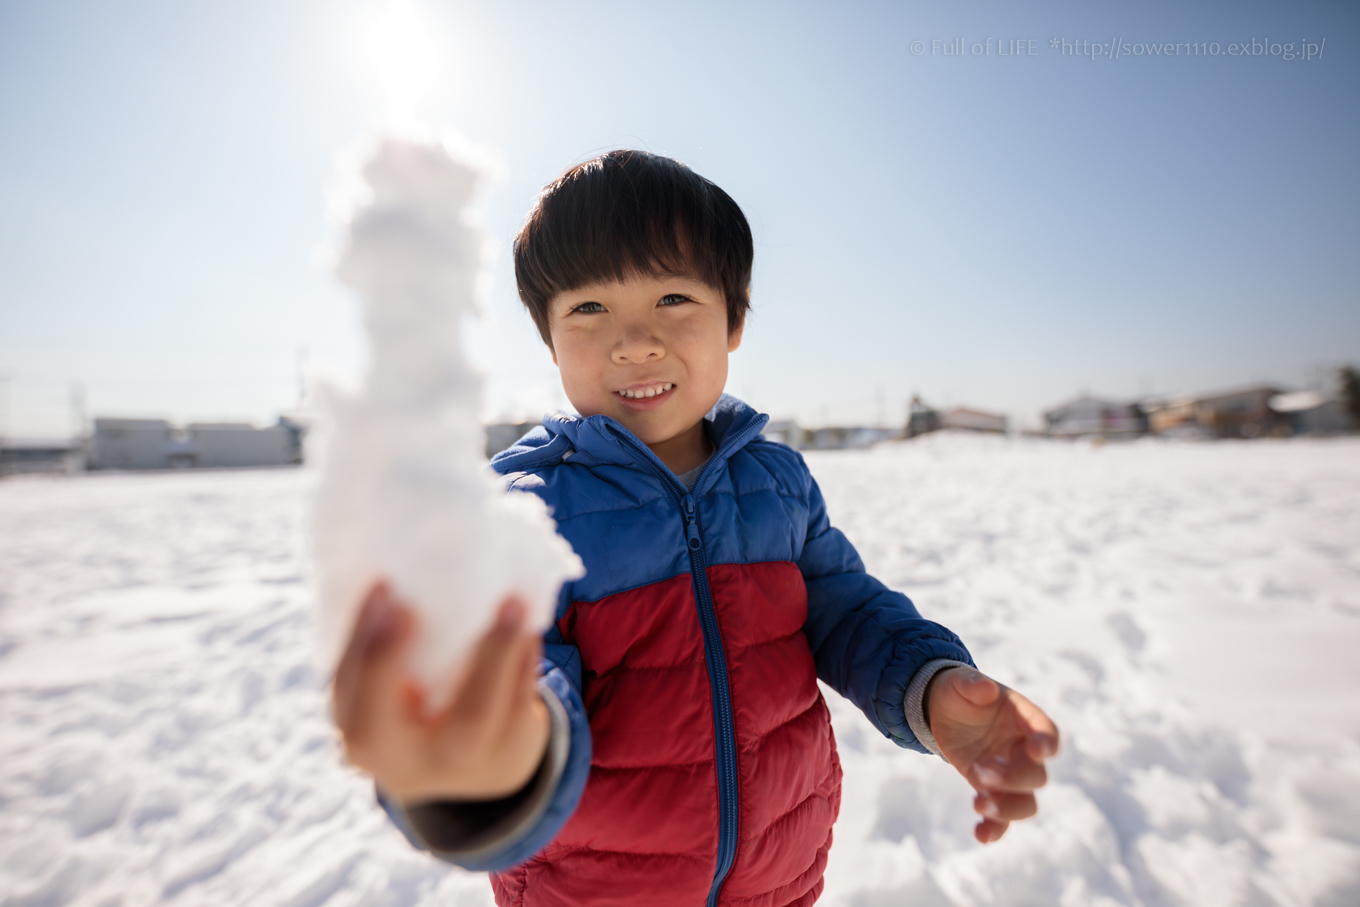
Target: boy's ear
x,y
735,337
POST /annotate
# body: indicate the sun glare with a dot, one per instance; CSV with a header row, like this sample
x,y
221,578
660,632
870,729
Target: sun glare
x,y
400,52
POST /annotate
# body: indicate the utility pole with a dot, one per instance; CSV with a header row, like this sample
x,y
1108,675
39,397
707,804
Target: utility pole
x,y
77,401
301,376
4,405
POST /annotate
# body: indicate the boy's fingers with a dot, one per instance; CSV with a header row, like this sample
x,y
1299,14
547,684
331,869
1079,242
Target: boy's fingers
x,y
1014,775
512,681
526,685
377,692
963,696
533,655
492,660
515,691
373,615
1042,746
1036,721
989,830
976,688
1005,807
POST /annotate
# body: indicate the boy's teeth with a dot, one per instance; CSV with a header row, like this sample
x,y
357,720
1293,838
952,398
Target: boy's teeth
x,y
644,392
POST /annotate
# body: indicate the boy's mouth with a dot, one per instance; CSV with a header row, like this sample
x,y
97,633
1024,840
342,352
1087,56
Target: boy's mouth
x,y
645,397
645,391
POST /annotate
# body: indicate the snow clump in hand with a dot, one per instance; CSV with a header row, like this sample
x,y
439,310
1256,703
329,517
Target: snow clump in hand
x,y
404,493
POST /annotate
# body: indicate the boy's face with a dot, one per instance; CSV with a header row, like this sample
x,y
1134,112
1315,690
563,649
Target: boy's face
x,y
650,352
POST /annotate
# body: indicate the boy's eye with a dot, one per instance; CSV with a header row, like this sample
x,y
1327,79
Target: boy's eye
x,y
588,307
673,299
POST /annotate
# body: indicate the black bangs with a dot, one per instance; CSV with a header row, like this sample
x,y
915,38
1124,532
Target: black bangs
x,y
627,213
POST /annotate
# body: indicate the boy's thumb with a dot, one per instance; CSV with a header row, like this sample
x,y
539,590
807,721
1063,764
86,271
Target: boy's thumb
x,y
977,688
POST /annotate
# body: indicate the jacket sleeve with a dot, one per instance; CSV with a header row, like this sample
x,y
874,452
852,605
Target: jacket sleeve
x,y
868,641
498,834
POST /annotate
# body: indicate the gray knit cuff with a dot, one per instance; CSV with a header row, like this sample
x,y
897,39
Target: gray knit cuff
x,y
914,703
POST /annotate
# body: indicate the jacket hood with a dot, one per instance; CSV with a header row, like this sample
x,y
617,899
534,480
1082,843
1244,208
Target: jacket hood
x,y
592,440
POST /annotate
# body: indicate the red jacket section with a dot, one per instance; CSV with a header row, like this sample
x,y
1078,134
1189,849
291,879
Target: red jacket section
x,y
649,808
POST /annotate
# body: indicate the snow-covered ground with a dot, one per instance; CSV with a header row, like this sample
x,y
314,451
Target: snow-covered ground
x,y
1189,614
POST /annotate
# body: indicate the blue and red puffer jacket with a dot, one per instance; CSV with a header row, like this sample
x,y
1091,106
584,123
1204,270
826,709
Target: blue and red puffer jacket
x,y
703,768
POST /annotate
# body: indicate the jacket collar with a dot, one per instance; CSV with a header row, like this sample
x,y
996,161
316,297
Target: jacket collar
x,y
593,440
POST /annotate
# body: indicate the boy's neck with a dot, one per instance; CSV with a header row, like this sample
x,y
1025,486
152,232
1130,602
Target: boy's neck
x,y
687,450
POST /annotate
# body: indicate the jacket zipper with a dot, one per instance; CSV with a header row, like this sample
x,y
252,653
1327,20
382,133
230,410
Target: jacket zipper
x,y
724,726
722,702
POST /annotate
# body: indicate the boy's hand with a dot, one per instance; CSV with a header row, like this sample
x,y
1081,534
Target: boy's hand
x,y
997,739
485,744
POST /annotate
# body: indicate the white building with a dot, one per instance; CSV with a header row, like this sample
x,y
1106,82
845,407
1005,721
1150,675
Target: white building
x,y
503,435
130,444
156,444
226,445
1088,415
1311,413
32,455
847,438
784,431
961,417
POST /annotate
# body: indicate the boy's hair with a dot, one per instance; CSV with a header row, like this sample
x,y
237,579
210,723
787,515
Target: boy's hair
x,y
628,213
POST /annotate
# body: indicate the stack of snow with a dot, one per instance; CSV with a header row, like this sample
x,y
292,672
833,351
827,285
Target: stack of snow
x,y
405,493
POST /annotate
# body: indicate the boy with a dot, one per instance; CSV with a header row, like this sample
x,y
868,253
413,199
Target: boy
x,y
676,748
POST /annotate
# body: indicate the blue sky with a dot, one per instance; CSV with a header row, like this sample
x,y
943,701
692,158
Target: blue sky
x,y
997,231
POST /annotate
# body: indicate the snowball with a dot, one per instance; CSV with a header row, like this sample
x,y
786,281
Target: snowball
x,y
405,493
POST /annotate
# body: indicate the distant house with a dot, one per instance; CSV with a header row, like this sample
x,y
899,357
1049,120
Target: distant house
x,y
1311,413
297,429
785,431
1086,416
1244,413
922,419
867,437
130,444
156,444
961,417
223,445
501,435
35,455
846,438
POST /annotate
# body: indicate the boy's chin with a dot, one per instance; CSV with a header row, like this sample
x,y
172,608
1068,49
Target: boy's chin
x,y
647,430
653,428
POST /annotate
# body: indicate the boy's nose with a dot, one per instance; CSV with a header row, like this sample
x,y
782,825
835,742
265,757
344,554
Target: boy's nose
x,y
638,344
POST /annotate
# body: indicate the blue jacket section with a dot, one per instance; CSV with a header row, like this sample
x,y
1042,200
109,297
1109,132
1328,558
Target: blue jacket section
x,y
757,503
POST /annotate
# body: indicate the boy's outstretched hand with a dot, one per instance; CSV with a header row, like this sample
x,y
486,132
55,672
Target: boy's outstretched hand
x,y
997,739
484,745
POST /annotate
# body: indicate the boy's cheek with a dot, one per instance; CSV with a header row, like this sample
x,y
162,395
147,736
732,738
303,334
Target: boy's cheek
x,y
568,359
586,395
576,370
